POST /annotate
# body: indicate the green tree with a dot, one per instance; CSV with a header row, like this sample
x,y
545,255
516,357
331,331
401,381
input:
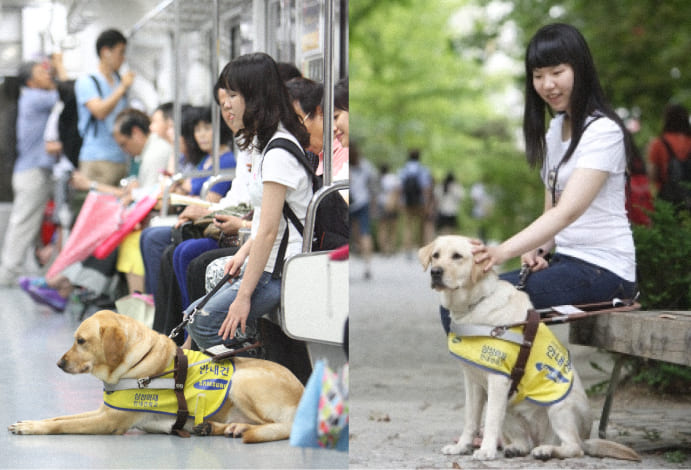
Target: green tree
x,y
412,88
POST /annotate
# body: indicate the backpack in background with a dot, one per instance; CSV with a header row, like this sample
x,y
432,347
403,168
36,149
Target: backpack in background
x,y
331,229
412,191
676,187
68,121
639,200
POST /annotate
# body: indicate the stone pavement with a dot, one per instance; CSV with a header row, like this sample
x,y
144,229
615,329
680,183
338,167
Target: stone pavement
x,y
407,392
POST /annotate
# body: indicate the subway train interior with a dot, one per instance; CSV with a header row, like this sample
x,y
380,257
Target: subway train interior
x,y
176,49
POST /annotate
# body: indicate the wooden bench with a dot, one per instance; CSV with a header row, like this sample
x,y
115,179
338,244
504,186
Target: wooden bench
x,y
657,334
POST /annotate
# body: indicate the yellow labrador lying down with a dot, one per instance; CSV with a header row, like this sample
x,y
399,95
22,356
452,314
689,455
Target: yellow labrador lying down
x,y
546,422
246,397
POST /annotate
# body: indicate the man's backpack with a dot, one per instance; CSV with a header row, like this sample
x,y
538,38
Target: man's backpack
x,y
68,122
676,187
331,228
412,191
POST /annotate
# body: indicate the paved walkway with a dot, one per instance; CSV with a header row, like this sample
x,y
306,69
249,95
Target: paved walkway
x,y
407,393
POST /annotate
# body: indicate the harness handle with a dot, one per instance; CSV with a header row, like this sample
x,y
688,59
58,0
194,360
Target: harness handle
x,y
190,318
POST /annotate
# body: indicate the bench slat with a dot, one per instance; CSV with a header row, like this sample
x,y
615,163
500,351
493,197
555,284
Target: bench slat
x,y
663,335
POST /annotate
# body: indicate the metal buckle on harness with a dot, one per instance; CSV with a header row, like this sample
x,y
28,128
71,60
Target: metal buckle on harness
x,y
143,382
497,331
190,317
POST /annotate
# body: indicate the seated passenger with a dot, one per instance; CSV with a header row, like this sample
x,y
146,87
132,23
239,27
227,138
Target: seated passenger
x,y
255,94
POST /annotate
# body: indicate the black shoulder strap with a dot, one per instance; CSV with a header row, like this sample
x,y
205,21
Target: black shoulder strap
x,y
670,150
92,119
290,146
288,213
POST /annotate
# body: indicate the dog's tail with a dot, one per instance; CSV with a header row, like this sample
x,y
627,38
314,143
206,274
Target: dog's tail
x,y
603,448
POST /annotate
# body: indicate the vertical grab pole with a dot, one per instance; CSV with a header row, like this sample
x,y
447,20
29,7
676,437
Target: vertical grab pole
x,y
215,111
328,89
177,108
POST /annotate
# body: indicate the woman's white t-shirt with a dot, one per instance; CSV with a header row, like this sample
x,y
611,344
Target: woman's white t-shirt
x,y
601,235
280,166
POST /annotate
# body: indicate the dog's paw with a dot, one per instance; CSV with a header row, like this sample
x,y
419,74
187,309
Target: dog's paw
x,y
235,429
515,451
543,452
203,429
485,454
457,449
21,427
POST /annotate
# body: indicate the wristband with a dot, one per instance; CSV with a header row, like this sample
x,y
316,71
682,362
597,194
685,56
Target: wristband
x,y
93,185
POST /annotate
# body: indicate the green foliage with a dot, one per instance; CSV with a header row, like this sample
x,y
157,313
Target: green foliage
x,y
663,251
661,376
675,456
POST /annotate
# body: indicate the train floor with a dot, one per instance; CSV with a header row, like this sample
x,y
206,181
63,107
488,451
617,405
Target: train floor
x,y
33,387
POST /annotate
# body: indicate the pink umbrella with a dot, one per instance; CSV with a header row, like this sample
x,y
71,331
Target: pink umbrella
x,y
132,218
98,218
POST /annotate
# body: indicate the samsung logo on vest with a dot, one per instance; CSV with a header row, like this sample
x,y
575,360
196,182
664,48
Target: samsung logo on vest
x,y
211,384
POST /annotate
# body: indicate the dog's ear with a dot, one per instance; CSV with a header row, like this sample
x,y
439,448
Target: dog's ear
x,y
477,272
424,254
113,340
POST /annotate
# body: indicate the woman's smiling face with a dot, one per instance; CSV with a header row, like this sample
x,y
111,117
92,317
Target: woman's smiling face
x,y
233,108
554,85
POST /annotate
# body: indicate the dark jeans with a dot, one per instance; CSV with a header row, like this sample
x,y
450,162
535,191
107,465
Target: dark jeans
x,y
567,281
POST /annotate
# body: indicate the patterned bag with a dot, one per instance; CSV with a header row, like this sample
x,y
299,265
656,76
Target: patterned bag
x,y
322,418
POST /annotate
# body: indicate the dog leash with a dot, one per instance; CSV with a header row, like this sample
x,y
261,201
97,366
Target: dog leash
x,y
568,313
189,319
523,276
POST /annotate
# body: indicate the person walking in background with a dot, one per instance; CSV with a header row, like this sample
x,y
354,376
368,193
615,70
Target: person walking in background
x,y
100,97
449,195
669,166
417,191
388,209
32,174
482,206
362,179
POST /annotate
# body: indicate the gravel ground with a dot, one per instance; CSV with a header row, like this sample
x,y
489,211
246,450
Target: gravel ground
x,y
407,391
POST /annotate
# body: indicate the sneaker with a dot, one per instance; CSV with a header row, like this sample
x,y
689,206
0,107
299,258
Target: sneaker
x,y
47,296
26,281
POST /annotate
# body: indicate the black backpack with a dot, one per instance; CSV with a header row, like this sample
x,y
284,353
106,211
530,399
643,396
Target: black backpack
x,y
676,188
331,229
412,191
68,122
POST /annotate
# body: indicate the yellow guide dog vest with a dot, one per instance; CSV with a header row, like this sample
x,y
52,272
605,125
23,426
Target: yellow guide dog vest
x,y
548,373
206,389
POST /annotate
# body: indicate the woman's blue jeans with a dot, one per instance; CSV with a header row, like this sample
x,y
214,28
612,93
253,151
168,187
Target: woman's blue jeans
x,y
204,328
567,281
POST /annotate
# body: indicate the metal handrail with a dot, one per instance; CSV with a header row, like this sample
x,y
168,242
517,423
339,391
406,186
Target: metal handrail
x,y
212,180
311,215
165,198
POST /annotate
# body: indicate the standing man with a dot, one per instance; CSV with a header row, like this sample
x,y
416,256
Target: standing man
x,y
32,173
416,182
100,97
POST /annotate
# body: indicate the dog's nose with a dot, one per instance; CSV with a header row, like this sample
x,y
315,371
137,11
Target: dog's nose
x,y
436,272
62,363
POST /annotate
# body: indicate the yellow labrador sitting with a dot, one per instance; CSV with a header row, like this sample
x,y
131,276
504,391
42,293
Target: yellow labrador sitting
x,y
545,425
259,405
